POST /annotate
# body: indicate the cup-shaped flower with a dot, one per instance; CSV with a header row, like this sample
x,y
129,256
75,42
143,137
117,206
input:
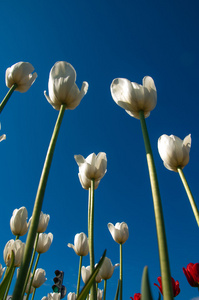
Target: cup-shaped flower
x,y
173,151
85,272
1,270
106,270
137,296
52,296
99,294
80,246
18,221
192,274
44,242
21,75
71,296
98,277
93,167
119,232
134,97
43,222
18,248
39,278
175,286
62,87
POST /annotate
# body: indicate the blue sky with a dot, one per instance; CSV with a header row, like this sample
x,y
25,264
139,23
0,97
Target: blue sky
x,y
103,40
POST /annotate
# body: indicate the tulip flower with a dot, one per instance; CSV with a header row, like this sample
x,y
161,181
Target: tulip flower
x,y
18,221
80,246
173,151
99,294
1,270
137,296
21,75
44,242
192,274
39,278
62,87
2,137
93,167
106,270
52,296
134,97
71,296
43,222
175,286
85,272
18,247
119,232
98,277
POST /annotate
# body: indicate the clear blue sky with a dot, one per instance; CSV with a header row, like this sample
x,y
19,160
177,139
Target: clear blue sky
x,y
103,40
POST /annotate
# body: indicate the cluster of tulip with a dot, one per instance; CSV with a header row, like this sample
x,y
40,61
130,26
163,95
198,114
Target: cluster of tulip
x,y
138,101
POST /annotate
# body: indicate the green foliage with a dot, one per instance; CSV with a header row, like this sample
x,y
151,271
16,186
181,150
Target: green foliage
x,y
4,284
117,291
86,288
145,289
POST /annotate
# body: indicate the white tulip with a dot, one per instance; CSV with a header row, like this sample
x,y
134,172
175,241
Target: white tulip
x,y
52,296
20,74
99,294
2,137
39,278
119,232
98,277
18,221
1,270
85,272
80,246
173,151
18,248
134,97
44,242
71,296
43,222
106,270
93,167
62,87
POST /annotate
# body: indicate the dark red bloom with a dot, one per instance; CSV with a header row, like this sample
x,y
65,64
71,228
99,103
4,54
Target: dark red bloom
x,y
137,296
192,274
175,286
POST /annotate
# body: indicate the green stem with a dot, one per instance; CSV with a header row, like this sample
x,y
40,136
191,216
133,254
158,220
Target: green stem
x,y
33,294
31,263
33,274
79,274
189,194
121,272
91,237
7,97
17,294
161,235
8,287
105,284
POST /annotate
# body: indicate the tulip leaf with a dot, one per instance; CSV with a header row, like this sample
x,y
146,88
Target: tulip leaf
x,y
145,289
87,286
4,284
117,291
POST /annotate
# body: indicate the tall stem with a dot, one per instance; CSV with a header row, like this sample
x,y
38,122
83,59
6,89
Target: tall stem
x,y
105,284
189,194
7,97
79,274
33,294
121,272
91,237
161,235
33,274
17,294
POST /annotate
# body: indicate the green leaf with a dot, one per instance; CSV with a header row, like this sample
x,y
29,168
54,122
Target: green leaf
x,y
117,291
145,289
6,280
86,288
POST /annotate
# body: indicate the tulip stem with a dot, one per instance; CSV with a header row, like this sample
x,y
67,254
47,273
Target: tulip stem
x,y
33,274
161,234
9,284
17,294
31,263
121,272
105,284
189,194
7,97
33,294
79,274
91,235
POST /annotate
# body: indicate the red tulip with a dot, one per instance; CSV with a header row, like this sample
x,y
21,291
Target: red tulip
x,y
175,286
137,296
192,274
